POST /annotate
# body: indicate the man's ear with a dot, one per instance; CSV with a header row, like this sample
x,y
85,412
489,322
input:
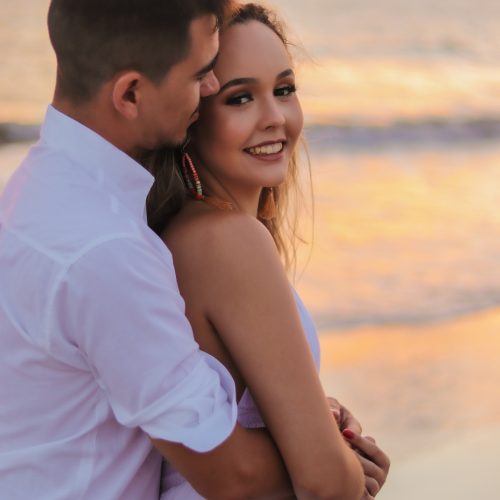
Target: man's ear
x,y
126,94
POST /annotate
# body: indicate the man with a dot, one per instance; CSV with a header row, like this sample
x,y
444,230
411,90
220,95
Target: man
x,y
96,357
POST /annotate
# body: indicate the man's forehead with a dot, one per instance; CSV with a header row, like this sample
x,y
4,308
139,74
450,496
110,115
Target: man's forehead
x,y
204,41
206,25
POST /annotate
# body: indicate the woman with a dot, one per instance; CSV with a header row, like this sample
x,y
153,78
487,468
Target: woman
x,y
226,238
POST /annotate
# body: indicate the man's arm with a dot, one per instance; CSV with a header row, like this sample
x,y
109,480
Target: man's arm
x,y
129,323
246,465
139,346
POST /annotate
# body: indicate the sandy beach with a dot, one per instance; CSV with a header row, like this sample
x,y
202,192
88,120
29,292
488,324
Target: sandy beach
x,y
429,394
460,470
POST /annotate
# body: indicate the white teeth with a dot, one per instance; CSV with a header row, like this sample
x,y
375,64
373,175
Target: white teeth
x,y
268,149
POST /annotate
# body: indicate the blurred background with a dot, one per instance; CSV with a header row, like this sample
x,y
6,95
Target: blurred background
x,y
402,106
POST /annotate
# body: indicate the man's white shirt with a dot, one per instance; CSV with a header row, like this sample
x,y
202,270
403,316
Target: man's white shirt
x,y
95,351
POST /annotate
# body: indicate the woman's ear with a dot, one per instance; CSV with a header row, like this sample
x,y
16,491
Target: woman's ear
x,y
126,94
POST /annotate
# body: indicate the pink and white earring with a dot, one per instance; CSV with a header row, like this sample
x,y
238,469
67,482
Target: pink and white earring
x,y
191,177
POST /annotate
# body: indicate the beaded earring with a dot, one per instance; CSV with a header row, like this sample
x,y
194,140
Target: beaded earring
x,y
268,209
191,177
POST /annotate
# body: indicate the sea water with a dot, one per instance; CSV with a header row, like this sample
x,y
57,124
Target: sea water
x,y
402,105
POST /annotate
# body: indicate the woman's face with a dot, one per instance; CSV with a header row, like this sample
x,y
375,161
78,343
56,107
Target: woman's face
x,y
247,132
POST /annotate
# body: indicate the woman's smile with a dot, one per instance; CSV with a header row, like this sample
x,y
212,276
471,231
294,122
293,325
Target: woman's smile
x,y
267,151
255,119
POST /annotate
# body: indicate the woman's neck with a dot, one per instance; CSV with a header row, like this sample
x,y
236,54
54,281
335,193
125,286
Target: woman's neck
x,y
243,199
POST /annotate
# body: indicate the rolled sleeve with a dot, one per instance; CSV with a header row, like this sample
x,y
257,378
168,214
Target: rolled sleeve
x,y
119,304
201,415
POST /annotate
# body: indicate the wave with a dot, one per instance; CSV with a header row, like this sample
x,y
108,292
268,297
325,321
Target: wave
x,y
346,322
407,133
432,131
15,132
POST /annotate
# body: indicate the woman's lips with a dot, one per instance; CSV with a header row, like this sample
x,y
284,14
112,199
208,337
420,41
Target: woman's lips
x,y
269,151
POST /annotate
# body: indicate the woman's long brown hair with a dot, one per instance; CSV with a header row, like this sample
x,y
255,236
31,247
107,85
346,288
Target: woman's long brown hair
x,y
169,192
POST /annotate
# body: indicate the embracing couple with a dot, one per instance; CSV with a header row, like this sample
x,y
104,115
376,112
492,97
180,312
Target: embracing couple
x,y
156,347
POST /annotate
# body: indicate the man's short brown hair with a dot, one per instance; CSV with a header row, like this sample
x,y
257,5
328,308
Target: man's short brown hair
x,y
95,39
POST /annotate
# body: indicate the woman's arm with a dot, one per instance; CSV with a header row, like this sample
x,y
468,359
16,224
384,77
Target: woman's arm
x,y
237,275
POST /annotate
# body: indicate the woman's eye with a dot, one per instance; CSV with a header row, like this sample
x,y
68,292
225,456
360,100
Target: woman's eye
x,y
285,91
239,99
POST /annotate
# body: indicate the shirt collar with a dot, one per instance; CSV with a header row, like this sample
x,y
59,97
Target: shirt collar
x,y
128,180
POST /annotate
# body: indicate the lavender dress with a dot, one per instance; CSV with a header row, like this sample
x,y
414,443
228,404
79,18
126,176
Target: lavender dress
x,y
173,485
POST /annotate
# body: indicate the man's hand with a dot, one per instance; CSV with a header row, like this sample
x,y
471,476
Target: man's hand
x,y
374,461
344,418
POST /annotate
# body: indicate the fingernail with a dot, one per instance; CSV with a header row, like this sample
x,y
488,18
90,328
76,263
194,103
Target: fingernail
x,y
348,434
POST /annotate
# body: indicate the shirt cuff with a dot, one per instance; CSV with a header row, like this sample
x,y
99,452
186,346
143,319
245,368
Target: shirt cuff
x,y
201,411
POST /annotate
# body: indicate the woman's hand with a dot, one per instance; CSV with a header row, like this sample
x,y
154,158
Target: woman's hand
x,y
374,461
344,418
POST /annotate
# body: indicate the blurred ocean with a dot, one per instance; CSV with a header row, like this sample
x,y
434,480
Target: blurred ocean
x,y
402,102
368,63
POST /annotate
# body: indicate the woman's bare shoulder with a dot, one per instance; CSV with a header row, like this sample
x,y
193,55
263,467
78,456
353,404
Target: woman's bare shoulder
x,y
209,234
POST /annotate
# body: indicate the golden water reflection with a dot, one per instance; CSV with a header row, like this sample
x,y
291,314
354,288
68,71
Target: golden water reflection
x,y
404,284
404,235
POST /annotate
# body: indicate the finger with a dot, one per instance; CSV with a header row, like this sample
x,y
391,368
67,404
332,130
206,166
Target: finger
x,y
368,448
348,421
334,406
367,496
372,486
351,423
370,439
336,416
373,471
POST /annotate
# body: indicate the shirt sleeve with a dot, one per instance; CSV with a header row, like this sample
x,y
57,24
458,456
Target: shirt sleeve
x,y
119,304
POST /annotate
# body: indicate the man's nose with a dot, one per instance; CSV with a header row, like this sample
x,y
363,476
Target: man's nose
x,y
209,85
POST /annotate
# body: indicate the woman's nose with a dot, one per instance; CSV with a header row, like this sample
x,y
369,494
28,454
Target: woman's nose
x,y
272,114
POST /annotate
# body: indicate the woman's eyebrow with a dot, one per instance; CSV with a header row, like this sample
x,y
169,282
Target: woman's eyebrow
x,y
237,81
246,81
287,72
